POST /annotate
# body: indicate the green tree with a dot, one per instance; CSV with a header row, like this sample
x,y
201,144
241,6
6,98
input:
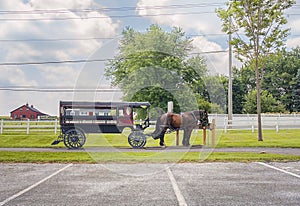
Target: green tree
x,y
154,66
280,71
261,21
296,93
268,103
238,97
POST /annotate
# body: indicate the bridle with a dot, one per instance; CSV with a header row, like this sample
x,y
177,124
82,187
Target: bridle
x,y
201,121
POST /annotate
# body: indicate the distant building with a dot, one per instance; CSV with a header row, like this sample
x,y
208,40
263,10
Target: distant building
x,y
26,112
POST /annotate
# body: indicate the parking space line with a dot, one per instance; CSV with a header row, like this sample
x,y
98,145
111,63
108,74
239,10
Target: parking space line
x,y
278,169
33,186
176,189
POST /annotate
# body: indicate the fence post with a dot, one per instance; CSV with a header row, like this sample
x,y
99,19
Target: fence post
x,y
213,132
1,127
204,135
277,126
28,125
170,106
252,126
55,127
225,125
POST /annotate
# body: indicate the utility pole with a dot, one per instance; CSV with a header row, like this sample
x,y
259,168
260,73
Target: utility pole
x,y
230,82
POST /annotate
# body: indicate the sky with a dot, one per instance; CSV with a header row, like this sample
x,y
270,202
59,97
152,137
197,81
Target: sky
x,y
41,39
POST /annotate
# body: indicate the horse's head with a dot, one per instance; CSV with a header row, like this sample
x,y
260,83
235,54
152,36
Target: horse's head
x,y
202,116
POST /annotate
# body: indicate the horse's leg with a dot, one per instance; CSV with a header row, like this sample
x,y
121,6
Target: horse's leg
x,y
186,136
162,137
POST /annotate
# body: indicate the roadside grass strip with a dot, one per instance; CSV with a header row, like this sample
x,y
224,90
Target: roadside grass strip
x,y
140,157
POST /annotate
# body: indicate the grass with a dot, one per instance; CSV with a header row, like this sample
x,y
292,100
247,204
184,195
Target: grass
x,y
233,138
240,138
37,139
11,140
139,157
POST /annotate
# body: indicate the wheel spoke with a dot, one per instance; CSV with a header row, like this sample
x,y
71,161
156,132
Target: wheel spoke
x,y
137,139
74,138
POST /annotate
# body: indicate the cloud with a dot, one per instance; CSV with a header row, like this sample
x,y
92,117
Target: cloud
x,y
100,26
206,22
294,39
202,19
87,24
293,42
217,61
18,74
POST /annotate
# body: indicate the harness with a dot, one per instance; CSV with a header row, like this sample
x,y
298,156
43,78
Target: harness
x,y
202,120
199,121
195,118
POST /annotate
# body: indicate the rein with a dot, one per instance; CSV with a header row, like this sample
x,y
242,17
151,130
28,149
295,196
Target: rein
x,y
196,120
201,120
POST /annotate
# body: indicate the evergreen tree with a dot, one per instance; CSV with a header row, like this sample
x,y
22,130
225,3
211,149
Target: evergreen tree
x,y
296,93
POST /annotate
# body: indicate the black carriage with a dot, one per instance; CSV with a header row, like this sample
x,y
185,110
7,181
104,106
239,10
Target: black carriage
x,y
78,118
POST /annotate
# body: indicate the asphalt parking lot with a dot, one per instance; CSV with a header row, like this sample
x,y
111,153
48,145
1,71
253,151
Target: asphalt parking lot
x,y
150,184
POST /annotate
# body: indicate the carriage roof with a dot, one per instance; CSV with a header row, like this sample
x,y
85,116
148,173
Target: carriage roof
x,y
83,104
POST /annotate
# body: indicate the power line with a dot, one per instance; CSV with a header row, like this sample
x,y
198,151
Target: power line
x,y
59,90
56,39
53,62
86,39
86,60
105,38
107,9
103,17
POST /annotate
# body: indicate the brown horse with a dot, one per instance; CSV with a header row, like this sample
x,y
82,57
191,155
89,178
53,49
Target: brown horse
x,y
186,121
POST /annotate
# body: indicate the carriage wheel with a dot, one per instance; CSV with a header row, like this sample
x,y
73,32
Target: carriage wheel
x,y
137,139
74,139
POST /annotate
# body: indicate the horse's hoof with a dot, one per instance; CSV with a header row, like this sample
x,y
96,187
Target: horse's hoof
x,y
163,146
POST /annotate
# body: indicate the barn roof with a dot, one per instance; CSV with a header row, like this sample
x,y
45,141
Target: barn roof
x,y
29,107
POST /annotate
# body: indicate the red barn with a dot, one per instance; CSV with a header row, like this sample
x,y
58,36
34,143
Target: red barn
x,y
26,112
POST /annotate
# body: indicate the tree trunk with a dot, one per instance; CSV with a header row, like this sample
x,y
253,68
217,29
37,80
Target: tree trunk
x,y
259,126
258,88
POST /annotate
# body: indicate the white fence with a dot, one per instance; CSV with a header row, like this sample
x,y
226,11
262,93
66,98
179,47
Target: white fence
x,y
239,121
249,121
28,126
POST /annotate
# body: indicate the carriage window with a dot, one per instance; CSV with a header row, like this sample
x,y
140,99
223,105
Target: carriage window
x,y
121,112
72,112
103,112
83,113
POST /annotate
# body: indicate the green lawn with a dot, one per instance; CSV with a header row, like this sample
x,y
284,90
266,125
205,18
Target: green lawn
x,y
36,139
234,138
139,157
240,138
